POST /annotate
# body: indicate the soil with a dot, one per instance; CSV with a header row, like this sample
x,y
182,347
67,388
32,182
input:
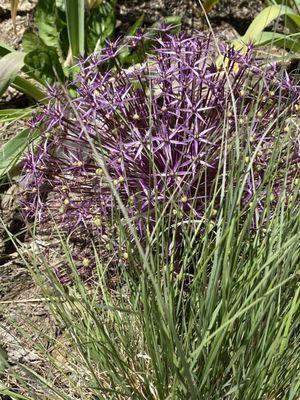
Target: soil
x,y
21,305
237,13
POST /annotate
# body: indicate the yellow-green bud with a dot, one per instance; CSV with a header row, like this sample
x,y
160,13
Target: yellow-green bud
x,y
97,221
184,199
85,262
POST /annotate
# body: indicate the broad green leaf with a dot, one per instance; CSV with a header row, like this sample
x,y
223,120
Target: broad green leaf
x,y
263,19
297,5
291,25
45,64
10,66
11,151
4,49
31,41
75,23
25,86
278,39
9,115
47,22
295,18
42,61
100,24
35,45
22,84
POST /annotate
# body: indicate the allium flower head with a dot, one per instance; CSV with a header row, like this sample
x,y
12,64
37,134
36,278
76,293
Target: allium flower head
x,y
152,133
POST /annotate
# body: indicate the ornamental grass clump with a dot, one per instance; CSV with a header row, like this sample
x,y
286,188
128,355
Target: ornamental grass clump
x,y
159,136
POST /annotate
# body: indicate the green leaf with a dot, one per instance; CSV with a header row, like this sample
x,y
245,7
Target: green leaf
x,y
50,26
25,86
278,39
31,41
21,84
9,115
45,64
133,28
263,19
10,65
4,49
210,4
60,5
125,55
47,21
11,151
47,61
295,18
75,23
43,60
297,5
173,20
100,24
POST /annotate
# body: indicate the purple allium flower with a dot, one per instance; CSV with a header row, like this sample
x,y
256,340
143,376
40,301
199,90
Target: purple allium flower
x,y
157,130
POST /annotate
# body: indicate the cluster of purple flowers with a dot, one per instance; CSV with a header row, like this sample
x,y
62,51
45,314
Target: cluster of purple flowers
x,y
152,133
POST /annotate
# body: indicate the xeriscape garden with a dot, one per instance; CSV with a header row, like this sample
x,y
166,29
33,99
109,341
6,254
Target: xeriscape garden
x,y
159,207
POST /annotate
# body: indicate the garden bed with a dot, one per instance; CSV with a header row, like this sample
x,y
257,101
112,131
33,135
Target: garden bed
x,y
27,327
